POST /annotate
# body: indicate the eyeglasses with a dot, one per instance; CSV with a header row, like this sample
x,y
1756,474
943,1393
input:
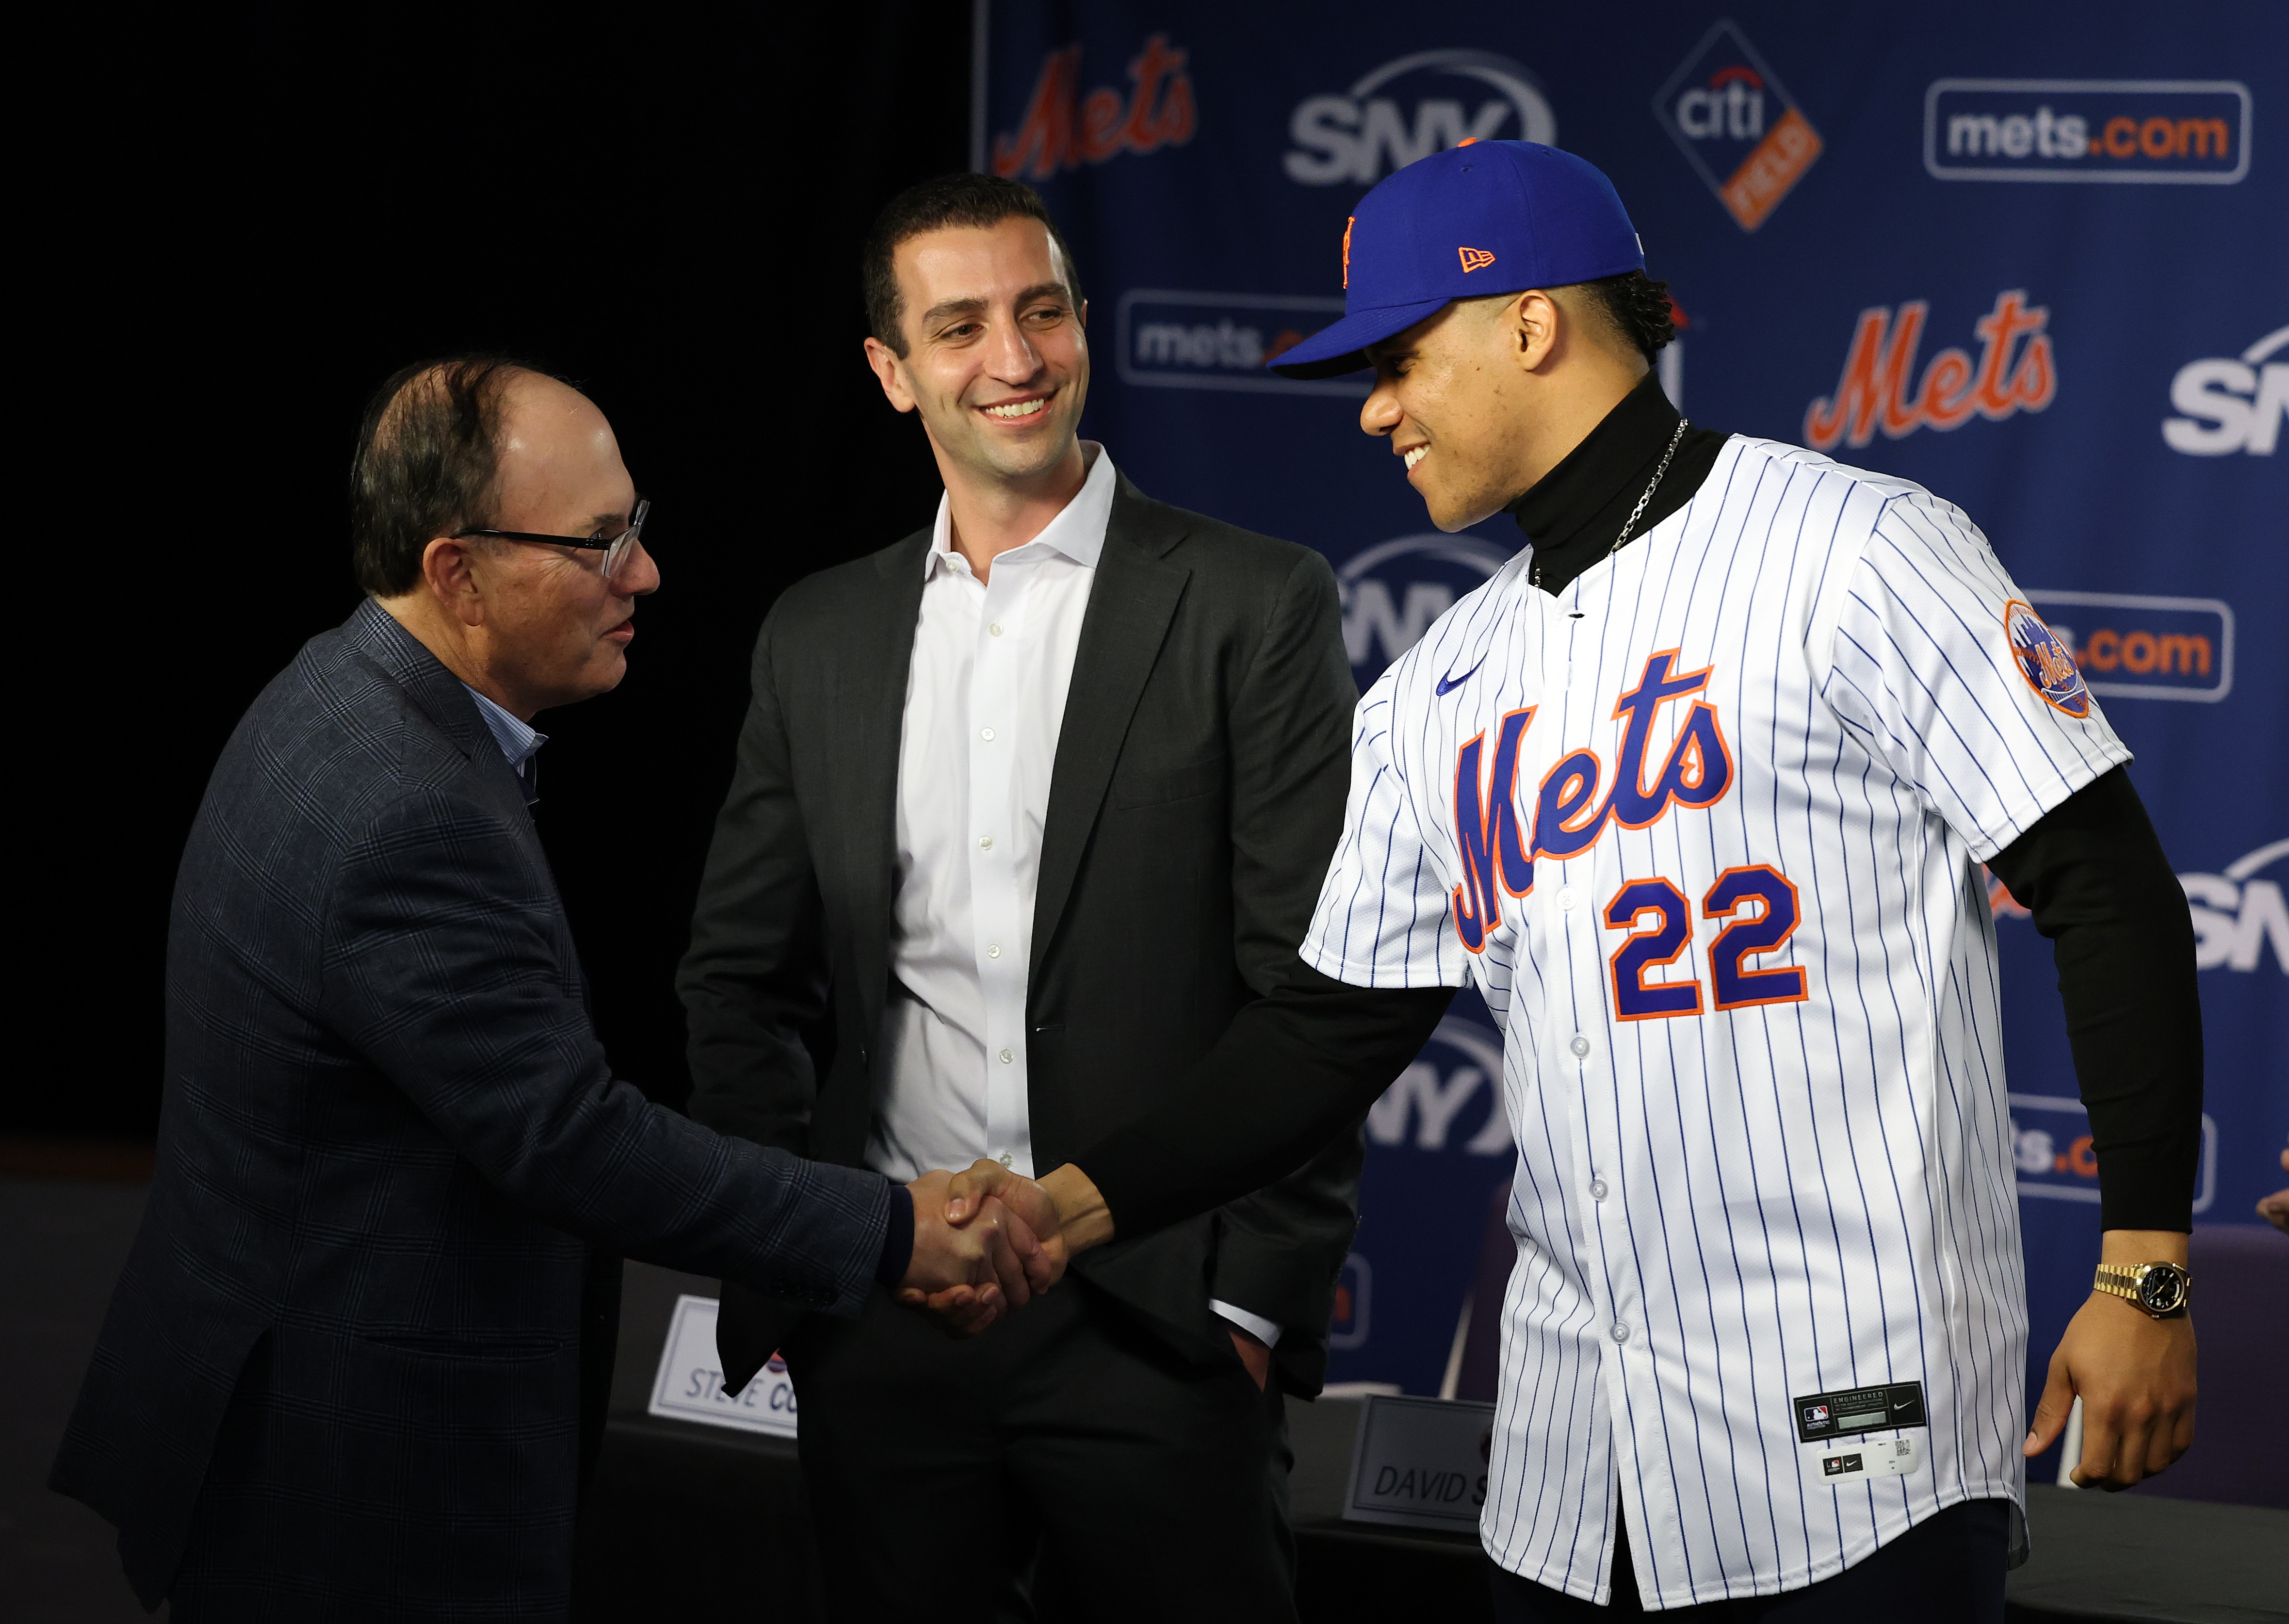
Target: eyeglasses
x,y
615,548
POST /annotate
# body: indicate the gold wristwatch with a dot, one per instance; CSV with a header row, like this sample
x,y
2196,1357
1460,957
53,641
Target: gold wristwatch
x,y
2159,1289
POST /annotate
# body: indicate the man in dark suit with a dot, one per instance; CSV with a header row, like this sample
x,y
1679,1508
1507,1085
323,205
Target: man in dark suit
x,y
1026,806
360,1346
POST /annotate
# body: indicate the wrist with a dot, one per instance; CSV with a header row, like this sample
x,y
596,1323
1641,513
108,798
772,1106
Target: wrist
x,y
1083,1216
2129,1247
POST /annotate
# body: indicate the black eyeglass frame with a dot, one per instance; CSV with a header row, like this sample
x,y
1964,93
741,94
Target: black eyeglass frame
x,y
620,543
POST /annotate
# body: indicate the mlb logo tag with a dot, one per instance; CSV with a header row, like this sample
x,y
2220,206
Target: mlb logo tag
x,y
1741,129
2045,662
1836,1466
1815,1415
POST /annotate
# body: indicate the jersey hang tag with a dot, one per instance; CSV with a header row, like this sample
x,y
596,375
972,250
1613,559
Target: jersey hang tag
x,y
1885,1457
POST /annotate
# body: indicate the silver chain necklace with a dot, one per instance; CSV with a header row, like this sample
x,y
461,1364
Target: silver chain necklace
x,y
1630,522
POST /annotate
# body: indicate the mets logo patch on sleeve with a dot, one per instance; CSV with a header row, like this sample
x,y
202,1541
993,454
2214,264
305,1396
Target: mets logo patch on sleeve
x,y
2045,661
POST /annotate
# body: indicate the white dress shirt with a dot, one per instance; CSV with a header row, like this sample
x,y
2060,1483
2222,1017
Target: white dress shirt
x,y
985,699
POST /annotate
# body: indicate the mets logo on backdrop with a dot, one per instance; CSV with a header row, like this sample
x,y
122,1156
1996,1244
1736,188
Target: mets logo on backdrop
x,y
2044,660
1880,387
1064,129
1742,131
1410,109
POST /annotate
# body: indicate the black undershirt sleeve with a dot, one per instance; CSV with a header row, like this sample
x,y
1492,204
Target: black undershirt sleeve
x,y
1291,1073
2093,875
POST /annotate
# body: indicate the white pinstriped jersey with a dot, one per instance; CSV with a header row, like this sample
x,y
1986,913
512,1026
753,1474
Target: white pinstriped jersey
x,y
1704,828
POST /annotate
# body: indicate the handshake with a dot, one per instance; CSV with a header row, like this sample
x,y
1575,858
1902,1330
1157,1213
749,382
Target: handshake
x,y
987,1240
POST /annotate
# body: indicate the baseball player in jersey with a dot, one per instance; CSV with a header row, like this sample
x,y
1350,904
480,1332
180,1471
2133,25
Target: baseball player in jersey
x,y
1694,792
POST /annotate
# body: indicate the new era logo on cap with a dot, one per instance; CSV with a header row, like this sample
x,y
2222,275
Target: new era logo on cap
x,y
1492,217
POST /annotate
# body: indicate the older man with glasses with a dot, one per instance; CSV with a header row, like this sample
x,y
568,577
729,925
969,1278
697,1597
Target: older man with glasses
x,y
357,1358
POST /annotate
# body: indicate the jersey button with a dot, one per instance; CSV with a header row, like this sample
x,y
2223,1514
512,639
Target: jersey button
x,y
1569,899
1598,1191
1621,1331
1580,1045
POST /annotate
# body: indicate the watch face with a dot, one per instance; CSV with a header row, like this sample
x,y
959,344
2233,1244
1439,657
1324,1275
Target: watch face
x,y
2163,1291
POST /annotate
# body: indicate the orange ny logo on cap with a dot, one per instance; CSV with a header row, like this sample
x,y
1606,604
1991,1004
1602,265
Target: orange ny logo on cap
x,y
1348,224
1474,259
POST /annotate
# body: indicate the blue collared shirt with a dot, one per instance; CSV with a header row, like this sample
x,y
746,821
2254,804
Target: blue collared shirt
x,y
517,739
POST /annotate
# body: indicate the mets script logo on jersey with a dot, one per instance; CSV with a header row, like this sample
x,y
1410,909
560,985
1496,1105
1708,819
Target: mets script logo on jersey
x,y
1392,591
1064,130
1880,387
2045,662
1410,109
1743,132
1498,851
2229,404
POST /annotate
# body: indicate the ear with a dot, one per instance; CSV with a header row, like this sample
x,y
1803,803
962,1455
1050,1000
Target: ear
x,y
1082,313
448,569
1537,325
891,371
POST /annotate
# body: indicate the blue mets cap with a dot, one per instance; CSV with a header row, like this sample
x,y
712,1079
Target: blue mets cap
x,y
1488,217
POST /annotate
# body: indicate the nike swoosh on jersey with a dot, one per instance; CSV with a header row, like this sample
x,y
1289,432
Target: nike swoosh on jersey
x,y
1448,685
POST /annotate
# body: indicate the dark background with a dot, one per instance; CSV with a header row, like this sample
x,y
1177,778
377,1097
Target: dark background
x,y
235,230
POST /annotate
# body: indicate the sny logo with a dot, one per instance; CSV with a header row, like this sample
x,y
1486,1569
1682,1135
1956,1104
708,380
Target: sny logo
x,y
1463,1060
1734,119
1392,591
1879,386
2229,405
1364,133
1065,130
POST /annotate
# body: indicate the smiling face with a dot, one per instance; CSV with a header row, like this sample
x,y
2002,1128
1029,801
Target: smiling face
x,y
554,630
996,362
1482,399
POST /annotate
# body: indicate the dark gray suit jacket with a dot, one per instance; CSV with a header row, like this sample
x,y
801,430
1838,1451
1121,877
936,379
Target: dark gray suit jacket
x,y
1196,799
346,1357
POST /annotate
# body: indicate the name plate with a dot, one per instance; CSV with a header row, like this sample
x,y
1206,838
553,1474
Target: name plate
x,y
1420,1462
690,1385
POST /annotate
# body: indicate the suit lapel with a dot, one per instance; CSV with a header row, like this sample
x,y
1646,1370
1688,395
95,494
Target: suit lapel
x,y
1130,604
873,717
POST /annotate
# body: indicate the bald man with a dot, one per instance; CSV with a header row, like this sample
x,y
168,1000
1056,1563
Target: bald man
x,y
359,1352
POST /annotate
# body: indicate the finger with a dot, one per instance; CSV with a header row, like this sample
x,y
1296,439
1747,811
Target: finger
x,y
1001,1254
2100,1435
911,1298
2051,1411
968,1188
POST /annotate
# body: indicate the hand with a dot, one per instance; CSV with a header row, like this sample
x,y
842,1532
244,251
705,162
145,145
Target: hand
x,y
1253,1354
2134,1374
1064,1204
2275,1208
967,1277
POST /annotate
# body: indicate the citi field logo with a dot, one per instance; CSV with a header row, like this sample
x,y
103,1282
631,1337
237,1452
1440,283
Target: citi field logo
x,y
2227,405
1427,1105
2051,1154
2149,132
1165,339
1882,388
1410,109
2136,647
1063,128
1392,591
2239,913
1738,126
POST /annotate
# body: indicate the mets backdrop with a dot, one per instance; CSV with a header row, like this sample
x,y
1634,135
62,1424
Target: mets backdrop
x,y
2039,265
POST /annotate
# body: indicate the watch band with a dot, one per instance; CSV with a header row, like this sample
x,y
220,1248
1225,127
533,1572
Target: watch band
x,y
2128,1282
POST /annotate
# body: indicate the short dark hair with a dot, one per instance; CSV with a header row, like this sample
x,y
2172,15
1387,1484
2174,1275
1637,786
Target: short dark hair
x,y
1635,307
934,206
428,464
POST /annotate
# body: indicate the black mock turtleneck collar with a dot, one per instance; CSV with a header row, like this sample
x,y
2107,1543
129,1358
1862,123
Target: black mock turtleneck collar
x,y
1575,511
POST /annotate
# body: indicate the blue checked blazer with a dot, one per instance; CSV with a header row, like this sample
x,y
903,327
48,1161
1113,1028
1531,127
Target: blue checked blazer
x,y
342,1374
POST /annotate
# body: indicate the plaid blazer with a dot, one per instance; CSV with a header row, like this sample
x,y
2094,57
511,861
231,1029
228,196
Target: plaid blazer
x,y
342,1373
